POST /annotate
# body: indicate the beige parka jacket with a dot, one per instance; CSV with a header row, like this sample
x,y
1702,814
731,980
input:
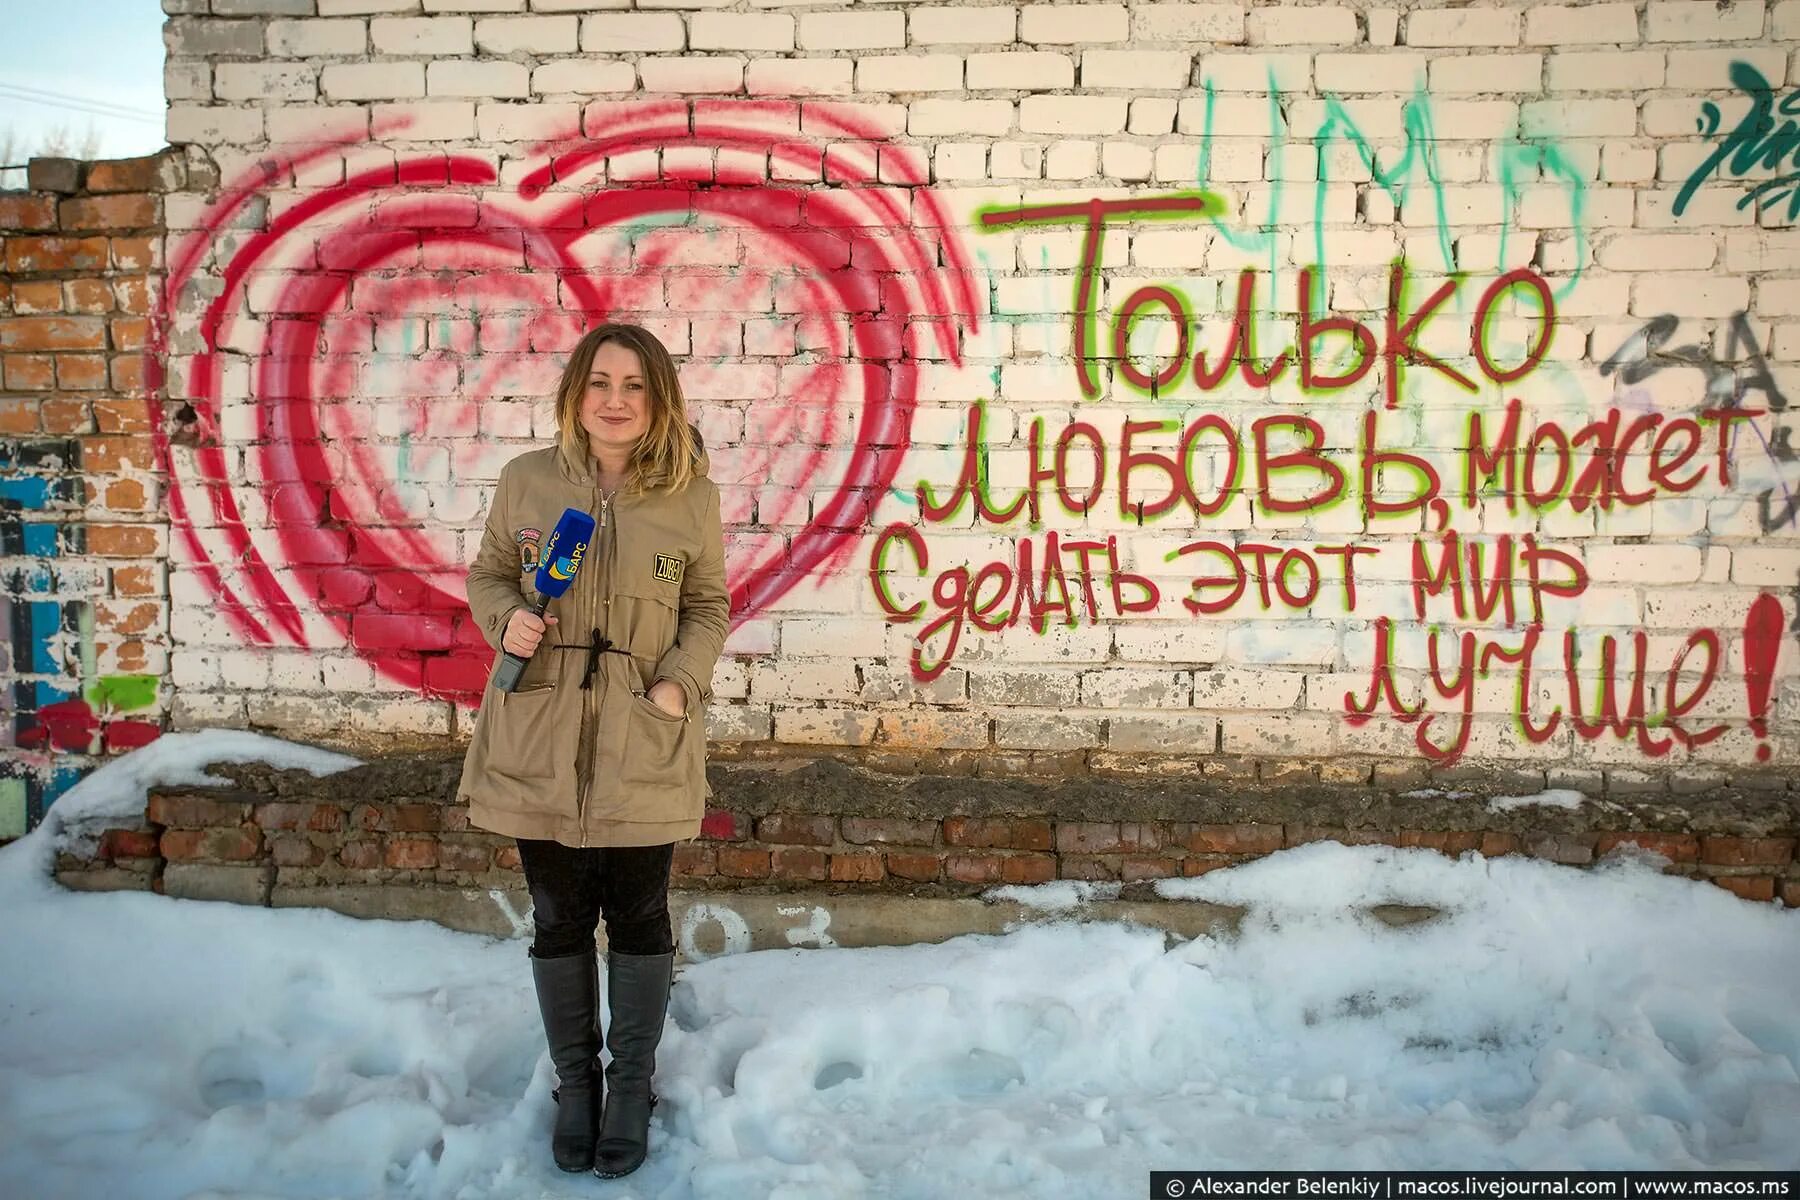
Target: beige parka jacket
x,y
600,765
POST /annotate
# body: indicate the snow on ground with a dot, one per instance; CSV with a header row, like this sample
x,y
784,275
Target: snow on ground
x,y
1552,1018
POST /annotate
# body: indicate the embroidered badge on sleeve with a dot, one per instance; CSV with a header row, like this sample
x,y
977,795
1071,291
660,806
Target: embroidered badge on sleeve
x,y
528,548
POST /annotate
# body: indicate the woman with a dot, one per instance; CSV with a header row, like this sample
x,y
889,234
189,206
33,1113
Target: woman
x,y
596,763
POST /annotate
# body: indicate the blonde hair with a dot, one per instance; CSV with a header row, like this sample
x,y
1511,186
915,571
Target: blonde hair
x,y
665,455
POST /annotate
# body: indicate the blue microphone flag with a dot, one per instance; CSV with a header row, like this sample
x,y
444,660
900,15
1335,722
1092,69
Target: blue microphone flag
x,y
563,553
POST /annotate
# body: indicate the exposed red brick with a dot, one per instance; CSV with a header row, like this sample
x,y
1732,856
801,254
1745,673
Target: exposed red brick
x,y
112,455
320,818
974,868
240,844
922,868
693,862
998,833
1451,842
1746,852
121,541
797,829
125,175
295,850
108,212
129,656
128,374
133,294
81,372
115,415
1493,845
1028,868
412,854
396,818
128,843
29,372
33,297
27,212
126,495
1087,837
53,333
87,296
1136,868
1200,866
28,255
1676,847
67,415
135,254
1790,892
1300,835
134,581
738,862
182,811
464,856
857,868
793,862
1228,839
18,416
413,818
889,831
507,858
1082,866
1574,849
129,333
1750,887
361,855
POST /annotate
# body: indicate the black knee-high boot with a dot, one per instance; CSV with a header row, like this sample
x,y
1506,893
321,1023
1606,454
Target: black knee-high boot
x,y
568,992
637,992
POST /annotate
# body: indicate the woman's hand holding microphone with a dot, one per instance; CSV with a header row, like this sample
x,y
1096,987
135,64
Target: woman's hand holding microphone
x,y
525,629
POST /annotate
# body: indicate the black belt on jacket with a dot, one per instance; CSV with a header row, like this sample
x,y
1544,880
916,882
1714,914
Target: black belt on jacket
x,y
595,649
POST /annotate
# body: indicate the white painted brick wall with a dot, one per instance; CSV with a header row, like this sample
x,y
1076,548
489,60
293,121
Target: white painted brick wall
x,y
853,30
1189,23
1559,137
478,80
527,35
1073,24
741,32
910,73
622,33
439,37
313,39
962,25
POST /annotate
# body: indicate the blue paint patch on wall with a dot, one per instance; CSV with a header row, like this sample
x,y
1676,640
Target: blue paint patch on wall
x,y
40,479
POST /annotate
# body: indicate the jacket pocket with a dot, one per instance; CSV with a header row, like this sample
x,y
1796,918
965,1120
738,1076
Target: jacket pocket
x,y
645,625
656,751
521,732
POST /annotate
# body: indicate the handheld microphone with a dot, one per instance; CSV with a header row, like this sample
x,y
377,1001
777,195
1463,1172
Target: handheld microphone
x,y
563,553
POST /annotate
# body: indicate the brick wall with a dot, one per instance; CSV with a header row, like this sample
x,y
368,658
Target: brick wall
x,y
83,529
299,841
1319,387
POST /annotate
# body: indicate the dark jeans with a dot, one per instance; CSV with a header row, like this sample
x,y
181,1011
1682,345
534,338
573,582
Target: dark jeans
x,y
571,889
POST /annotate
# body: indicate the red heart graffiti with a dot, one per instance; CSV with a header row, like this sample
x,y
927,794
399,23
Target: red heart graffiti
x,y
499,284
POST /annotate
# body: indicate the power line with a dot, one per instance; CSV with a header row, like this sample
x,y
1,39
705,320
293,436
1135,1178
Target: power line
x,y
81,104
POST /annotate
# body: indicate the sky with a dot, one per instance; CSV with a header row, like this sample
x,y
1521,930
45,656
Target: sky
x,y
1612,1018
55,73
